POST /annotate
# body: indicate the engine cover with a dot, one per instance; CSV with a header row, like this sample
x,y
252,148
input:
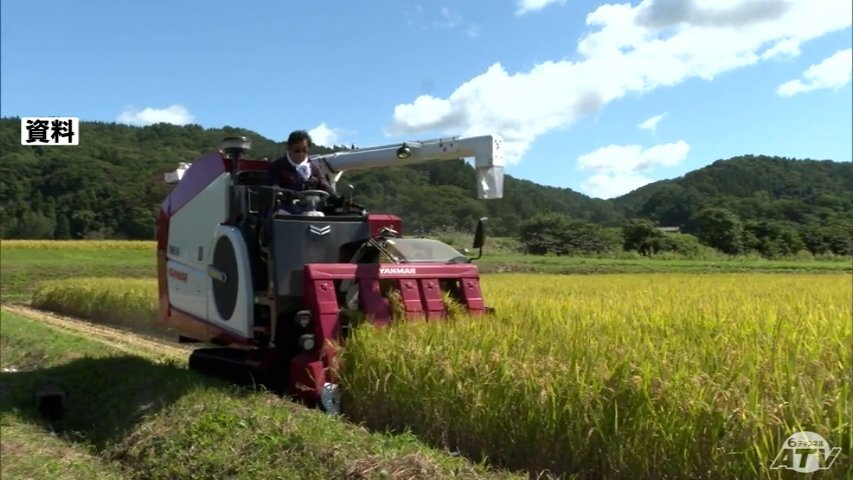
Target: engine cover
x,y
230,302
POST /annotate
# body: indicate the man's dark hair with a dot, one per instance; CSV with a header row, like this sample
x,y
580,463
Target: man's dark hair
x,y
297,136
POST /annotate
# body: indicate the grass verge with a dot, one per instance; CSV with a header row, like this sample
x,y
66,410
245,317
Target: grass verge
x,y
131,417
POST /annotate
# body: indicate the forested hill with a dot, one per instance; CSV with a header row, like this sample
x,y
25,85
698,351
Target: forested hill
x,y
111,184
754,187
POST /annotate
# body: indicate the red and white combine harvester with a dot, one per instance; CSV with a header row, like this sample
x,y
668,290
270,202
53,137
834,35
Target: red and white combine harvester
x,y
270,291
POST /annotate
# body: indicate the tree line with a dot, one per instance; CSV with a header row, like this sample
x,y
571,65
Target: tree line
x,y
111,185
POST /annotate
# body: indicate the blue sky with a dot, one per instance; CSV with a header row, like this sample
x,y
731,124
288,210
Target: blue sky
x,y
598,97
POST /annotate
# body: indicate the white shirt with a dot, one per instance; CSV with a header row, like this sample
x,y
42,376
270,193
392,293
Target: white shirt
x,y
303,168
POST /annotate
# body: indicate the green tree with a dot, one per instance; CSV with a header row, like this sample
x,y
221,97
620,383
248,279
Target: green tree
x,y
772,238
558,234
719,228
544,234
835,238
642,236
681,243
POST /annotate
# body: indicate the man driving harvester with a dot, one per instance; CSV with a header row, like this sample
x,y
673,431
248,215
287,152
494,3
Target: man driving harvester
x,y
293,171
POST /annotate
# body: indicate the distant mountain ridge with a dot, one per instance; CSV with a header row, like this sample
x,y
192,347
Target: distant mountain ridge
x,y
110,185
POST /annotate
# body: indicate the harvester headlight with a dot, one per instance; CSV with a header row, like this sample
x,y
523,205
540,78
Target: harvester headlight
x,y
303,318
306,341
330,397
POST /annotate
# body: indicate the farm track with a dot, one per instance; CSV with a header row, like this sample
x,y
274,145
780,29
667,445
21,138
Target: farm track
x,y
121,339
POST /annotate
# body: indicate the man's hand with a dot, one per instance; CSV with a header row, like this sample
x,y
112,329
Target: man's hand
x,y
335,201
312,183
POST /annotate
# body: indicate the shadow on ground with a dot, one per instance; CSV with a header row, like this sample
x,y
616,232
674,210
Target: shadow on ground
x,y
96,400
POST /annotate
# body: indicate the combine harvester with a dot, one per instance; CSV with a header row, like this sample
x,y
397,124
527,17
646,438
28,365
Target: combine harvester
x,y
271,292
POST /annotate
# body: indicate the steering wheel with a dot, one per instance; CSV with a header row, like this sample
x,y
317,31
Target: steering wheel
x,y
312,200
301,195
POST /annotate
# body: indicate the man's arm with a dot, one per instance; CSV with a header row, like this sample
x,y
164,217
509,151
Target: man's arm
x,y
273,176
322,183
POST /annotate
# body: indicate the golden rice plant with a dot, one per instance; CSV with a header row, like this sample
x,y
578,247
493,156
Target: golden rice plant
x,y
620,376
124,301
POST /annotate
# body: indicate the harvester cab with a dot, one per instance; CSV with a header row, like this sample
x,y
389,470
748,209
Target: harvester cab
x,y
272,276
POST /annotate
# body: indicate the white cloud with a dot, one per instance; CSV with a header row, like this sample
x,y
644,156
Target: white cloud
x,y
832,72
651,123
324,135
629,50
633,158
619,168
525,6
665,13
174,114
611,185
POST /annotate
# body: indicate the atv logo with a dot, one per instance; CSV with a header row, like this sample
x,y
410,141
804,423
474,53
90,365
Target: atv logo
x,y
397,271
805,452
320,231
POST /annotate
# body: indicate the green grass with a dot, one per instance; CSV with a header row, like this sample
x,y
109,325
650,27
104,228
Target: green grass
x,y
30,452
133,417
29,449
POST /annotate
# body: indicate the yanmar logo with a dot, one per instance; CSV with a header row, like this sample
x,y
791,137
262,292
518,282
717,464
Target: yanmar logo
x,y
178,275
397,271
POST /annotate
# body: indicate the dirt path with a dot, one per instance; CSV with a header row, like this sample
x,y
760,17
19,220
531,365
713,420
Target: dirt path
x,y
114,337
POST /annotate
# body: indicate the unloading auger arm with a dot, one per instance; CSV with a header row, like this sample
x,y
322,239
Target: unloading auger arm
x,y
486,150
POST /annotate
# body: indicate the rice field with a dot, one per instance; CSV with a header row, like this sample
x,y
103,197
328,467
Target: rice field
x,y
597,376
634,376
79,244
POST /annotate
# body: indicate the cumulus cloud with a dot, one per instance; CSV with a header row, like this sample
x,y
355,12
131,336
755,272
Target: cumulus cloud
x,y
324,135
651,123
620,168
629,49
665,13
832,72
633,158
612,185
174,114
527,6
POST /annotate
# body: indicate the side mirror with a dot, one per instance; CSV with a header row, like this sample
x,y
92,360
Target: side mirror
x,y
480,234
480,237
